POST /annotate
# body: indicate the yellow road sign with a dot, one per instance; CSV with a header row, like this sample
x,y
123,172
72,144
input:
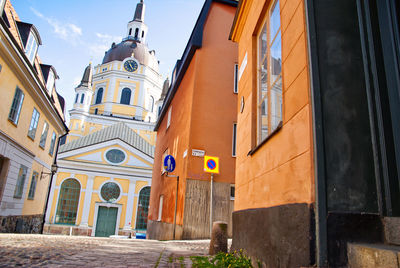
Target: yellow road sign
x,y
211,164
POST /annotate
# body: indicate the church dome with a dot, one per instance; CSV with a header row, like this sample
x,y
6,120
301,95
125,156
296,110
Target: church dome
x,y
125,49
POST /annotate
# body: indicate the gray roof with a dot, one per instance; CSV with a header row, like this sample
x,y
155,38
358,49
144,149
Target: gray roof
x,y
139,12
87,77
116,131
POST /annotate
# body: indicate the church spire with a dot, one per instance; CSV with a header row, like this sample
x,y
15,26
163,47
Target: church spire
x,y
87,77
139,12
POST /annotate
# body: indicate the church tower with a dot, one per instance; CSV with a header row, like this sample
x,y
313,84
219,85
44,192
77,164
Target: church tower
x,y
102,186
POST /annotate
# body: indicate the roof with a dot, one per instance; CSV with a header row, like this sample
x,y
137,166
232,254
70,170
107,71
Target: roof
x,y
139,12
195,42
87,77
117,131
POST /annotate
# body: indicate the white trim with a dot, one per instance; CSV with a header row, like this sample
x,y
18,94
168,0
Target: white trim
x,y
87,202
129,206
235,78
108,205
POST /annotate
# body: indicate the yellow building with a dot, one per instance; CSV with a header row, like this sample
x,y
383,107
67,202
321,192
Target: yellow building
x,y
102,187
32,121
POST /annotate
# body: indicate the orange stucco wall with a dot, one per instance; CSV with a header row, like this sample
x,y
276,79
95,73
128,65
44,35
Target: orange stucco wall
x,y
281,170
203,113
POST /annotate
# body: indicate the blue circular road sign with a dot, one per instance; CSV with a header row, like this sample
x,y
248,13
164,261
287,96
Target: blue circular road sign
x,y
211,164
169,163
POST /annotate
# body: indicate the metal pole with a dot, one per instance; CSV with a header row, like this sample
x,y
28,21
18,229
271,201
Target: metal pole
x,y
176,203
211,202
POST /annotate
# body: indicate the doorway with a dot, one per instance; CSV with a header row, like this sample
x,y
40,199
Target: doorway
x,y
106,221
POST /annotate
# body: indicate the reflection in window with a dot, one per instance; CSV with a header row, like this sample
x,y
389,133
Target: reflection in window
x,y
31,47
52,143
34,123
43,137
19,187
270,74
126,96
16,106
50,82
32,188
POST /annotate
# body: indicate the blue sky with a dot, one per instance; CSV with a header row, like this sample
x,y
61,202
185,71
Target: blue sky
x,y
76,32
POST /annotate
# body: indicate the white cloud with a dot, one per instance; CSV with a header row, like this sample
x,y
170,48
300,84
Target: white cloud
x,y
66,31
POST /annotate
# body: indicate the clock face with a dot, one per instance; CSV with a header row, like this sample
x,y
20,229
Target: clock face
x,y
130,65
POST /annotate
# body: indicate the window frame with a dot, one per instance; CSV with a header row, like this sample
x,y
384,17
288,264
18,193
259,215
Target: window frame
x,y
52,143
236,78
15,112
43,137
99,98
31,51
70,208
20,183
82,98
33,124
50,82
32,187
169,117
128,100
234,139
265,97
76,98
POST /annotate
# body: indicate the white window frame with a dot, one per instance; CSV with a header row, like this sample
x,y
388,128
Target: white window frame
x,y
31,48
169,117
34,123
234,139
50,82
236,78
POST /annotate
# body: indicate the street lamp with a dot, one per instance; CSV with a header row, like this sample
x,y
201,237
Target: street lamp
x,y
53,170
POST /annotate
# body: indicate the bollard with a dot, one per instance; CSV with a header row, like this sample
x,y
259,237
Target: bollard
x,y
219,238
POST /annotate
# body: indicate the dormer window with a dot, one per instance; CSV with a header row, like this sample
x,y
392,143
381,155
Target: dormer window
x,y
31,47
50,82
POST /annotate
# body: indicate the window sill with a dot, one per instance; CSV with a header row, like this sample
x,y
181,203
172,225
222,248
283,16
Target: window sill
x,y
32,139
12,122
30,198
255,149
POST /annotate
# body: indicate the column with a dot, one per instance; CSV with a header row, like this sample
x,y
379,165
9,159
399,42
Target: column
x,y
86,203
51,197
129,206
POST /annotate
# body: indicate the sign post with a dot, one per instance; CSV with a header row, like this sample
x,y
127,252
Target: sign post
x,y
169,166
211,165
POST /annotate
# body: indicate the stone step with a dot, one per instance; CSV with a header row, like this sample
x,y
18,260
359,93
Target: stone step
x,y
373,255
392,230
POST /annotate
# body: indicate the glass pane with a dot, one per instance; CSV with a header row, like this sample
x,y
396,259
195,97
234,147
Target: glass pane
x,y
110,191
276,103
68,202
143,209
276,59
263,115
262,46
115,156
275,20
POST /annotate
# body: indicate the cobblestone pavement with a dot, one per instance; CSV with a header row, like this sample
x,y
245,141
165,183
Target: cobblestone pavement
x,y
21,250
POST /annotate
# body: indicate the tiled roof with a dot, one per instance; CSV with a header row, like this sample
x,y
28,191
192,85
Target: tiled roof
x,y
116,131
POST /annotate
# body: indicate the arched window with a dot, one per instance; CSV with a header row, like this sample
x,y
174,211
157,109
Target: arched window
x,y
82,98
151,104
68,202
76,98
99,96
130,31
142,34
126,96
143,208
136,32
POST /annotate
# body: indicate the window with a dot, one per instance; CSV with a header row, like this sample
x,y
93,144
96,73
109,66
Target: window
x,y
82,98
234,139
232,192
160,207
151,104
68,202
110,192
143,209
76,98
115,156
32,188
96,111
19,187
169,117
44,135
50,82
136,33
126,96
235,79
142,34
16,106
31,47
33,124
52,143
269,108
99,96
130,31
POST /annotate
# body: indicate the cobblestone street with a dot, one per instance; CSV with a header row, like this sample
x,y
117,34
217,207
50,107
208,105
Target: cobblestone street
x,y
18,250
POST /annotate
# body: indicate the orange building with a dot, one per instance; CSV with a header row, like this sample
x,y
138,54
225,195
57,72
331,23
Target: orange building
x,y
318,151
198,118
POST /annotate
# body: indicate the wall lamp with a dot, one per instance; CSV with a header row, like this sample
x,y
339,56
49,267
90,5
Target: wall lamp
x,y
54,169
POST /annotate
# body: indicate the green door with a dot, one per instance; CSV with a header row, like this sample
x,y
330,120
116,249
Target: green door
x,y
106,221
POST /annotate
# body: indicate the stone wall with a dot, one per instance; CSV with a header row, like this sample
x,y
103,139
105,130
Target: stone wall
x,y
31,224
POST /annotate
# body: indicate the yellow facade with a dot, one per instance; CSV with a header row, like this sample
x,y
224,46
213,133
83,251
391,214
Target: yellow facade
x,y
26,156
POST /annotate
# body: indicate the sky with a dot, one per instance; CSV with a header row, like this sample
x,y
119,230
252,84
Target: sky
x,y
76,32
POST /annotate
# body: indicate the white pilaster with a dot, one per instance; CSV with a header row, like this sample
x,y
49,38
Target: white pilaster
x,y
87,201
51,197
129,205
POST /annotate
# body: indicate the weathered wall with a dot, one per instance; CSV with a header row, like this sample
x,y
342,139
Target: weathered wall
x,y
31,224
196,223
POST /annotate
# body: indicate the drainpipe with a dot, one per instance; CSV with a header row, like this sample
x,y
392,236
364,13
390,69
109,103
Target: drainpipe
x,y
51,180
